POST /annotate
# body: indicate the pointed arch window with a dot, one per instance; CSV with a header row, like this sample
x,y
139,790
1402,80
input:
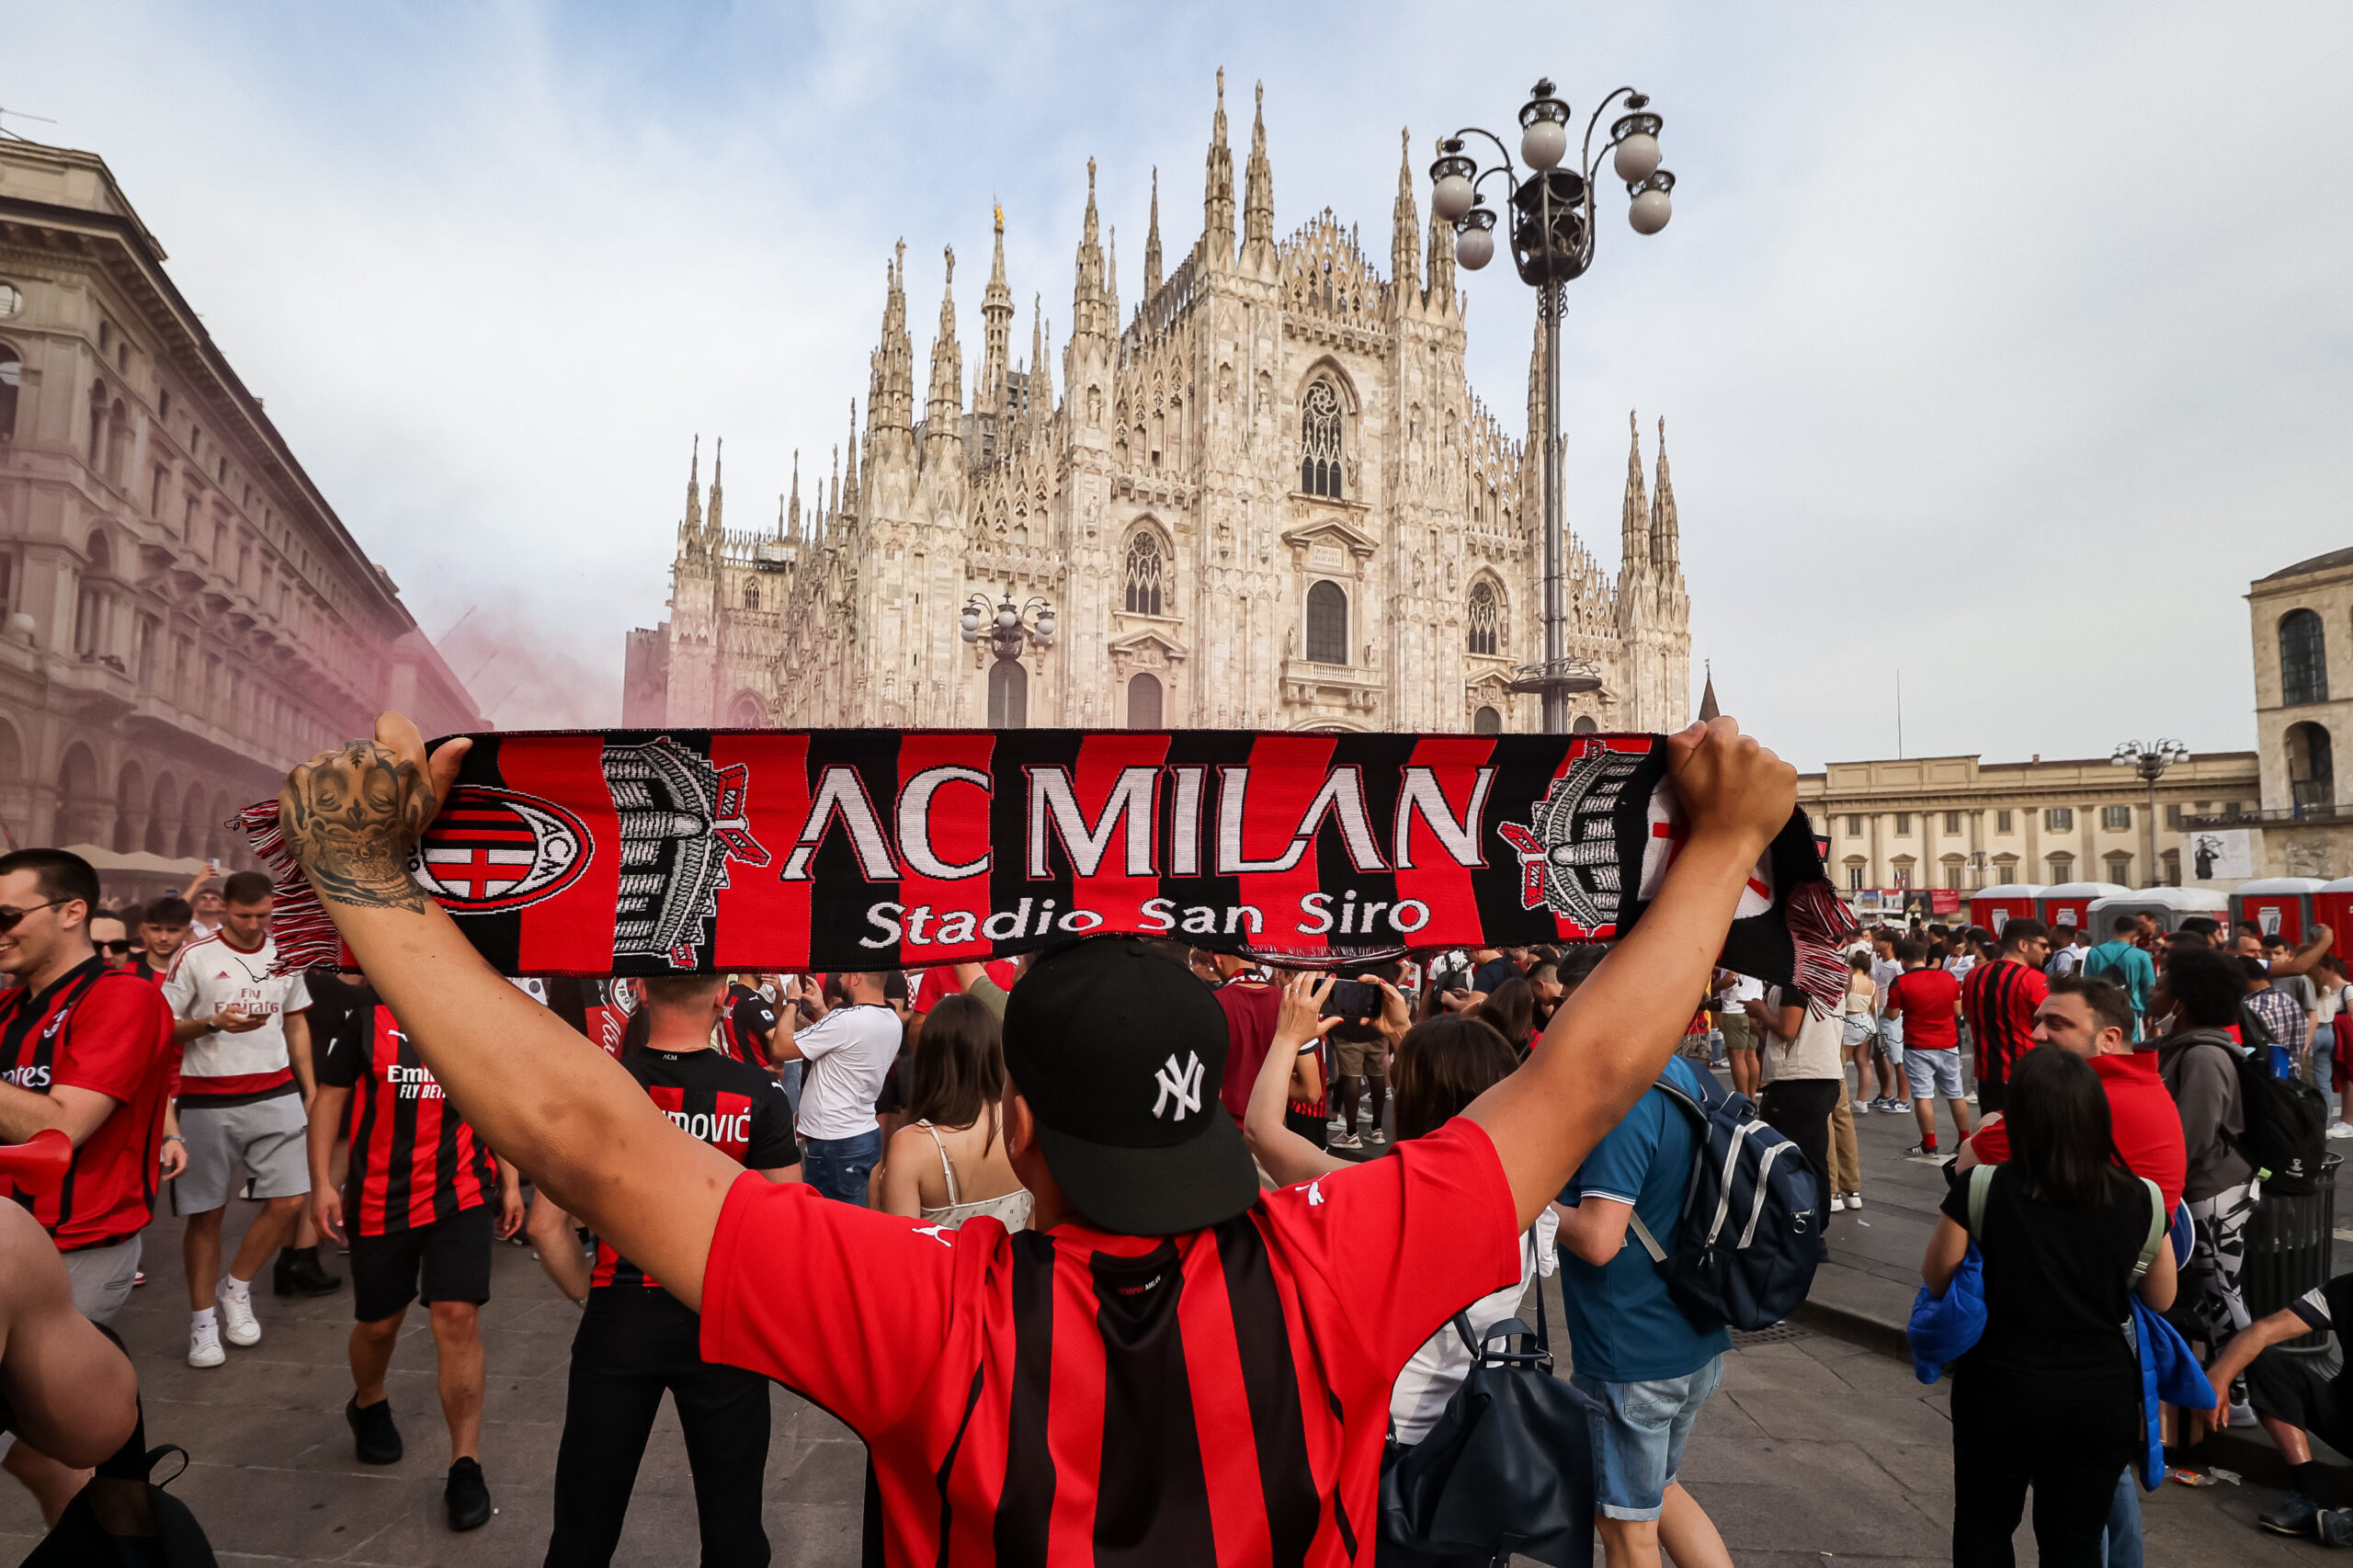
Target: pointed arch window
x,y
1144,573
1319,440
1327,624
1485,617
752,593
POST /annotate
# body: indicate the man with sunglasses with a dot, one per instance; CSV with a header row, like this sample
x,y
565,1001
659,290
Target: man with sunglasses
x,y
110,939
85,1049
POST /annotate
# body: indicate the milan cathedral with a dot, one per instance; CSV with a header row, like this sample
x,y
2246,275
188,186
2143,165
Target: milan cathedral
x,y
1269,501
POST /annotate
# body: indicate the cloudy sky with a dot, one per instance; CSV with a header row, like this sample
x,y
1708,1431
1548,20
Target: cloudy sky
x,y
1996,346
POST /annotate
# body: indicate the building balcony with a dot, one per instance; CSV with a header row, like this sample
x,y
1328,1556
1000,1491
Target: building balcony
x,y
2315,811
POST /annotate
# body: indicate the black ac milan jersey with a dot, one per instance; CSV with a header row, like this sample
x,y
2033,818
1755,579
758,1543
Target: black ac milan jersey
x,y
415,1161
739,1111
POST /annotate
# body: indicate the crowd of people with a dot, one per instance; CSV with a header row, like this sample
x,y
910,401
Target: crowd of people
x,y
1335,1186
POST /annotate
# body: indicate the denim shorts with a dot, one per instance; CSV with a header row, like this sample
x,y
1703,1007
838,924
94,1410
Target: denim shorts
x,y
1891,1041
1935,1074
1638,1436
838,1167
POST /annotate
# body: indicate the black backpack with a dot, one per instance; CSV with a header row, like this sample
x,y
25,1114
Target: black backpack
x,y
1750,1233
2286,1122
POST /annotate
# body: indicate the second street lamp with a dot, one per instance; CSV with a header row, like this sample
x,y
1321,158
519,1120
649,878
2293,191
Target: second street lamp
x,y
1007,631
2150,762
1551,236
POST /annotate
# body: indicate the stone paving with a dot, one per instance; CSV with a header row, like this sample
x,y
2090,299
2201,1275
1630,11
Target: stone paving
x,y
1819,1448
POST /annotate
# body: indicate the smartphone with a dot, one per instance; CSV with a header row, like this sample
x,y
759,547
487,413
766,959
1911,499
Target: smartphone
x,y
1353,999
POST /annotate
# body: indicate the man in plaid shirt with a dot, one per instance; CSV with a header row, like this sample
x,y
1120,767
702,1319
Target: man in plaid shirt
x,y
2280,1012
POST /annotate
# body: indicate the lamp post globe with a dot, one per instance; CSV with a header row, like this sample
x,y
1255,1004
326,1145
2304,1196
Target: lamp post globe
x,y
1474,245
1649,211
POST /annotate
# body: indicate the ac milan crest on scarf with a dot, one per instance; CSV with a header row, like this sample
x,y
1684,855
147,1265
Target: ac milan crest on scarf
x,y
659,852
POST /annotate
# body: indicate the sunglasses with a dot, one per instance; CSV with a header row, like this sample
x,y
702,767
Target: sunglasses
x,y
117,947
10,916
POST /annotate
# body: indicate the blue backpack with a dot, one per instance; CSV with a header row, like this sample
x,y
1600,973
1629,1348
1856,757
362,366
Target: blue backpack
x,y
1751,1229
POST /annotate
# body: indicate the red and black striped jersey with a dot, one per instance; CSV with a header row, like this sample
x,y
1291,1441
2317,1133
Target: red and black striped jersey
x,y
739,1111
746,1026
415,1161
1219,1397
2000,998
108,1032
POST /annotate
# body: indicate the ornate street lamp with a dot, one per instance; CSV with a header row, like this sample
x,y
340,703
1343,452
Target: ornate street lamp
x,y
1551,237
1008,629
2150,762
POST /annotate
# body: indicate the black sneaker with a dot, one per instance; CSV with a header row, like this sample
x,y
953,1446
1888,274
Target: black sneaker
x,y
1921,1152
2295,1516
374,1437
300,1273
468,1495
2335,1526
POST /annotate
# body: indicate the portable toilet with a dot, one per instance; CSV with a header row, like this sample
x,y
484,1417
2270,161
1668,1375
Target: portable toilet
x,y
2279,905
2171,906
1995,907
2061,908
2333,906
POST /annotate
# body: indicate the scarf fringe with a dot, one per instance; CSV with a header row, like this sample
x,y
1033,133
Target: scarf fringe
x,y
1820,926
299,922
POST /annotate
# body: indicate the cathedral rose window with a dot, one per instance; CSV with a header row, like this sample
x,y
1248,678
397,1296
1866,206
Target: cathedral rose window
x,y
1144,574
1483,639
1319,441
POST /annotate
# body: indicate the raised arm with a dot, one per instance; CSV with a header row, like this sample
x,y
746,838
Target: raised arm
x,y
531,1087
2307,956
1610,1041
1285,1156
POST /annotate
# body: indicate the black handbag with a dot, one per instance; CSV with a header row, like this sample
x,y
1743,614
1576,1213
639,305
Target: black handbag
x,y
1507,1469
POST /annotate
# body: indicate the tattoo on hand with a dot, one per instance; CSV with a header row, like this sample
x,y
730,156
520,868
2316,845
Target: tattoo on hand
x,y
351,817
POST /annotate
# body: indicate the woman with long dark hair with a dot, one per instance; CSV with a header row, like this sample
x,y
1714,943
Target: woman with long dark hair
x,y
1511,1008
2050,1397
949,1163
1440,1066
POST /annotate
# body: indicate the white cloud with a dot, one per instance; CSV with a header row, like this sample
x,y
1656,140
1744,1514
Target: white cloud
x,y
2000,345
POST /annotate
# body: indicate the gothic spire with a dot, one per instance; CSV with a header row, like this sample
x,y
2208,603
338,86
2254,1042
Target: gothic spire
x,y
793,507
1152,242
1666,532
1404,232
1258,201
1088,298
889,399
1217,190
997,317
833,486
943,416
849,483
1441,289
1634,526
1040,393
692,523
717,456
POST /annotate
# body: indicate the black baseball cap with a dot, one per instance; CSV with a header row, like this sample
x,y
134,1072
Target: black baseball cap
x,y
1119,1053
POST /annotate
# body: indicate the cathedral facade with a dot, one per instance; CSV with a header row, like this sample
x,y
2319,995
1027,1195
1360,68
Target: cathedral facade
x,y
1268,500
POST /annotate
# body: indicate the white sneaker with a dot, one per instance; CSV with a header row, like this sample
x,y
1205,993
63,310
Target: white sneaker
x,y
2340,1130
1853,1200
1837,1203
238,1324
204,1346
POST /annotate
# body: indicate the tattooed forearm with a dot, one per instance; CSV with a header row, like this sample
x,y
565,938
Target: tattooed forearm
x,y
350,817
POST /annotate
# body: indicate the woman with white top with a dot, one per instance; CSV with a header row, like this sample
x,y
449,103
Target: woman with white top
x,y
949,1163
1440,1065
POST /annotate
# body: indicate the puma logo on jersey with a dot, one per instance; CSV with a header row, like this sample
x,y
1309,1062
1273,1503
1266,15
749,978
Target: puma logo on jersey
x,y
938,1233
1182,1083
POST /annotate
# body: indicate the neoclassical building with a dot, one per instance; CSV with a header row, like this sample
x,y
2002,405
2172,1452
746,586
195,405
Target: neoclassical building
x,y
1267,499
183,617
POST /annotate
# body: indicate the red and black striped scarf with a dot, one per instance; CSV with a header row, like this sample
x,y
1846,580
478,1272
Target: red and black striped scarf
x,y
652,852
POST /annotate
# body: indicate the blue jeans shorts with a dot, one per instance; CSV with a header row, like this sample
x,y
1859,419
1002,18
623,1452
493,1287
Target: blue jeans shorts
x,y
1935,1074
1891,1039
1638,1436
838,1167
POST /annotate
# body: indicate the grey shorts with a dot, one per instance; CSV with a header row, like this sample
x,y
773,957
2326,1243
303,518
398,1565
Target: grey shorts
x,y
1934,1075
101,1278
261,1139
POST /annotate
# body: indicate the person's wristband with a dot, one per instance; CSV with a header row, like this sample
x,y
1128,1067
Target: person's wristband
x,y
174,1137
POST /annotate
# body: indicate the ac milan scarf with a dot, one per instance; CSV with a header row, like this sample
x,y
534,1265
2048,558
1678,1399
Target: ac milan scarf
x,y
657,852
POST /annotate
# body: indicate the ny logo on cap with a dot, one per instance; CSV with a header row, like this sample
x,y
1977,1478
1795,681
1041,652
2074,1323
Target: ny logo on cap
x,y
1184,1083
